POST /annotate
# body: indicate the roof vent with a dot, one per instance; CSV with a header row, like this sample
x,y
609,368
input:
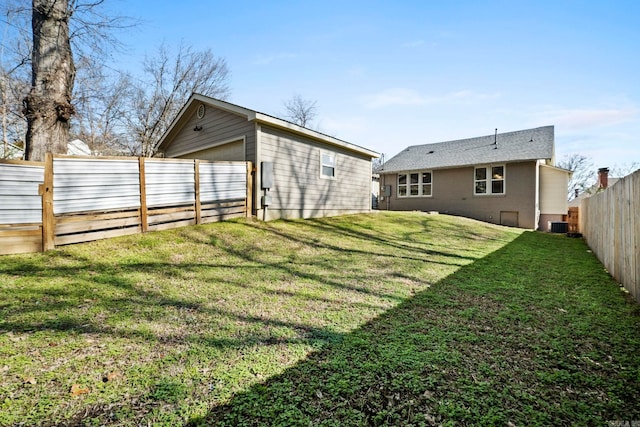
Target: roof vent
x,y
430,152
201,111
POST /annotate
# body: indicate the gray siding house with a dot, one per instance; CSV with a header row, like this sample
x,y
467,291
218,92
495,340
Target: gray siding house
x,y
314,174
507,178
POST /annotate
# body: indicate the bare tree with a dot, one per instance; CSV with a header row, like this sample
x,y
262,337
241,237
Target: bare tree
x,y
13,126
624,169
122,115
584,173
377,165
14,83
62,32
172,79
115,114
48,106
13,88
101,100
301,111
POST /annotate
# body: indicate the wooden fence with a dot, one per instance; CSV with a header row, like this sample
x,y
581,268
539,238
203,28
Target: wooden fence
x,y
77,199
609,222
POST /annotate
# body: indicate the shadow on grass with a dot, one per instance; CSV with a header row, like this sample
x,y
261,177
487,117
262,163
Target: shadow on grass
x,y
422,251
535,333
107,286
58,309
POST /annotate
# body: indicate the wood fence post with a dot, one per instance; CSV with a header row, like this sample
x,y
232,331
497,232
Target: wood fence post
x,y
196,170
48,220
144,219
249,204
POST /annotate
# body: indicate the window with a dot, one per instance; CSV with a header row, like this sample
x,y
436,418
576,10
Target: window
x,y
328,165
416,184
489,180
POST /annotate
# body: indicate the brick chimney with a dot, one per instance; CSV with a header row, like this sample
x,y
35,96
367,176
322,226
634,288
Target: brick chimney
x,y
603,178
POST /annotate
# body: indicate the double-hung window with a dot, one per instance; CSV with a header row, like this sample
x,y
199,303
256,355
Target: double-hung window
x,y
489,180
415,184
327,165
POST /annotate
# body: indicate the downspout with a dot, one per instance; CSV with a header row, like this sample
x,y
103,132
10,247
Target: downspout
x,y
257,181
537,197
388,197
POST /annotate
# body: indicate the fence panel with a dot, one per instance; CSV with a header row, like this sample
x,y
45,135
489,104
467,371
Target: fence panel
x,y
223,190
612,230
222,181
170,190
86,194
21,202
20,207
85,185
83,199
169,182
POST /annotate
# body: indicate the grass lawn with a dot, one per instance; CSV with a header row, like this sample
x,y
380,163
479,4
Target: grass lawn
x,y
381,319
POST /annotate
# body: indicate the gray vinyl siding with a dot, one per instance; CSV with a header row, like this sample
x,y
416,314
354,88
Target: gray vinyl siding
x,y
218,126
453,193
233,151
299,191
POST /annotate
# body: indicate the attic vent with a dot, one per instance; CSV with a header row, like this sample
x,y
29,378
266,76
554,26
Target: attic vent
x,y
201,111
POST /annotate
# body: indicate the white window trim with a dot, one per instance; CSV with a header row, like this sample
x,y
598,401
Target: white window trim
x,y
408,184
334,166
489,180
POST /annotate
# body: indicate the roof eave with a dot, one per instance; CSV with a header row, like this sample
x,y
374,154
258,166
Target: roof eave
x,y
292,127
465,165
223,105
256,116
570,172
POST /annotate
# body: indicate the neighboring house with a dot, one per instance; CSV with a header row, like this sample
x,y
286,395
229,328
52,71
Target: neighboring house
x,y
10,151
313,174
78,147
506,178
604,181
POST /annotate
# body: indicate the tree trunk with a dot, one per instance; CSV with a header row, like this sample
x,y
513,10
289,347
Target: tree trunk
x,y
48,106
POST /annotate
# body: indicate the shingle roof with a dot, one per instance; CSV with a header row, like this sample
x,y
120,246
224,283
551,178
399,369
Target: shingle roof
x,y
522,145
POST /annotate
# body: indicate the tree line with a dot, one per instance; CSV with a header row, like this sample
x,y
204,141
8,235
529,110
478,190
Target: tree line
x,y
56,84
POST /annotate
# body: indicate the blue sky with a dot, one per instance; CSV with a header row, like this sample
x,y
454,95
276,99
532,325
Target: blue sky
x,y
388,74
